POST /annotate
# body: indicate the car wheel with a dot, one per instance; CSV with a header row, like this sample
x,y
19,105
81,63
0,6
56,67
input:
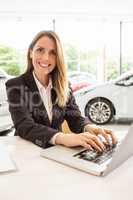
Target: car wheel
x,y
99,111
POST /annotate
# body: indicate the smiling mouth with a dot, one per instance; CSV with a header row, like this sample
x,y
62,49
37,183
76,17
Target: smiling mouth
x,y
44,65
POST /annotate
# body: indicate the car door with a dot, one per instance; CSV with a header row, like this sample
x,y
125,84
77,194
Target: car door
x,y
3,96
125,108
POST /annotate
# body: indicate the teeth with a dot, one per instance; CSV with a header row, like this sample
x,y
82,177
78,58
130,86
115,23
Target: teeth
x,y
44,65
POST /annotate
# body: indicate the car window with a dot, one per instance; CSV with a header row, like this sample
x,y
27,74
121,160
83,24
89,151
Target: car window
x,y
126,82
78,78
129,81
2,75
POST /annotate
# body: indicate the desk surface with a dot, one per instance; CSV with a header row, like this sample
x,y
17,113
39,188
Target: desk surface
x,y
38,178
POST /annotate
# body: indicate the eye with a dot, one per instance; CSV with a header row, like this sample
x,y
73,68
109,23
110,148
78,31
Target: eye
x,y
53,52
40,49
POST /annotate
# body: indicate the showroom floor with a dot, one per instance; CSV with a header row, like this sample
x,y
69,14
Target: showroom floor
x,y
118,128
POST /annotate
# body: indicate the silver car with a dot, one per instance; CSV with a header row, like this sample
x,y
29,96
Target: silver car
x,y
109,100
5,118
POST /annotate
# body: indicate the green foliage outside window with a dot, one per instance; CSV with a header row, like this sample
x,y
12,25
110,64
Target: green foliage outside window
x,y
71,55
10,60
79,60
13,61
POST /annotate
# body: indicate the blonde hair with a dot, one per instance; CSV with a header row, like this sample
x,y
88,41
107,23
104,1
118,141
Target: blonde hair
x,y
59,74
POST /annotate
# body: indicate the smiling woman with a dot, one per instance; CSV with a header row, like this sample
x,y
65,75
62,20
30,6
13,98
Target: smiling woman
x,y
41,99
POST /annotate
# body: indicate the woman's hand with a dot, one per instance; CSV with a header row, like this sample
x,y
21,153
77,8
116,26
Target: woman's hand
x,y
106,133
87,140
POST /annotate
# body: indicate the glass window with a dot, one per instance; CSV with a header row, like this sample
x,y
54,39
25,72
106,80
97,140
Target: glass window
x,y
15,36
127,46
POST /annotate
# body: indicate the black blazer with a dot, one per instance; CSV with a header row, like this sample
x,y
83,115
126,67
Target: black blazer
x,y
30,116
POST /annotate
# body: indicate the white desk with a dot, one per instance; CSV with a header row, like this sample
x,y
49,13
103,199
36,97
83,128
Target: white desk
x,y
40,179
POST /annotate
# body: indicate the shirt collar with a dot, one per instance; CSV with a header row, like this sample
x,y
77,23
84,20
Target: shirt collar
x,y
40,86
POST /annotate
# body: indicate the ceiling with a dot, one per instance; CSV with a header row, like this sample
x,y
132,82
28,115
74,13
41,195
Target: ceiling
x,y
121,9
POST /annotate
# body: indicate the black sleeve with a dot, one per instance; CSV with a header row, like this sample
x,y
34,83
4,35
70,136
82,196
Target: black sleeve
x,y
73,116
23,121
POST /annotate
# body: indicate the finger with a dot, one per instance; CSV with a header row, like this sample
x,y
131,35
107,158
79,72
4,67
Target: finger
x,y
99,142
102,139
96,140
93,130
86,145
112,135
94,145
105,135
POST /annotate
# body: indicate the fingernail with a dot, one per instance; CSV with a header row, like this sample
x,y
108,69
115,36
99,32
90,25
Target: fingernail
x,y
100,150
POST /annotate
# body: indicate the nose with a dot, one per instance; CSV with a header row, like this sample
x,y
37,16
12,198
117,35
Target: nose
x,y
45,55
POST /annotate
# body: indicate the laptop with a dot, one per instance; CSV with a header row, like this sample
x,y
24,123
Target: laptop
x,y
6,163
88,161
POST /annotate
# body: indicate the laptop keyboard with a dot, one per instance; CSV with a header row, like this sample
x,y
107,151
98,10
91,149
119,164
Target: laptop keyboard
x,y
95,156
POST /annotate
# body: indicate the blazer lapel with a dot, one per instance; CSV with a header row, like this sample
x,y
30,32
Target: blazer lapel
x,y
36,98
54,103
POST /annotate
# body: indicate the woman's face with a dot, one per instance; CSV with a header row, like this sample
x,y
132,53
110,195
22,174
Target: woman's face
x,y
43,56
